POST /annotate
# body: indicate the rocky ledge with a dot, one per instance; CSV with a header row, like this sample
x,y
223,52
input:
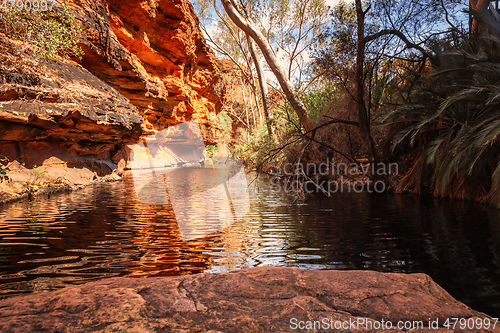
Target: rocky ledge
x,y
54,176
59,109
146,67
153,53
251,300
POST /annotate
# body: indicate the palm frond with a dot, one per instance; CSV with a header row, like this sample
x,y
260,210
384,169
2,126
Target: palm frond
x,y
454,124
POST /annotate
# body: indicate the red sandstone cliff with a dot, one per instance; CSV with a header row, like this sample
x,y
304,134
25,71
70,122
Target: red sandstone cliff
x,y
146,66
153,53
59,110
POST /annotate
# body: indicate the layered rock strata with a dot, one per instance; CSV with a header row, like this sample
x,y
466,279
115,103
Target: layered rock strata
x,y
151,69
153,53
59,110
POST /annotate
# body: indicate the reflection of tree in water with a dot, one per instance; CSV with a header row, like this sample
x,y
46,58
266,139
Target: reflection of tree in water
x,y
33,222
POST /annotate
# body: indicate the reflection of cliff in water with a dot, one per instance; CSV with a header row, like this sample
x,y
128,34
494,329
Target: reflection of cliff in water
x,y
205,200
76,237
171,168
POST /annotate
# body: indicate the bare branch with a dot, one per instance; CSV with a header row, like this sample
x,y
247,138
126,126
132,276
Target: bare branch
x,y
399,34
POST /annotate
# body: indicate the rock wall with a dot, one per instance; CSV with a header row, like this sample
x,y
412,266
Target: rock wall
x,y
59,111
153,53
146,66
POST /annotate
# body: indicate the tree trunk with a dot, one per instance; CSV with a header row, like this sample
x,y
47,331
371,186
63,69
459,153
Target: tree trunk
x,y
479,6
363,116
251,30
263,88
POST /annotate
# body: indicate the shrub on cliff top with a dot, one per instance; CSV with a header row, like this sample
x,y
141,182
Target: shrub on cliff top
x,y
52,32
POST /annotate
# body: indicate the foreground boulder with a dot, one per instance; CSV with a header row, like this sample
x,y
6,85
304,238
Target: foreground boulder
x,y
251,300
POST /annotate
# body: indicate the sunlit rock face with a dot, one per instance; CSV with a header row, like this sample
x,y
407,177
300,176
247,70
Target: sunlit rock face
x,y
153,53
146,67
59,110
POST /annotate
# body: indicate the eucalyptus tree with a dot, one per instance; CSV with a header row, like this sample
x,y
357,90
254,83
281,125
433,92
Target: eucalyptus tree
x,y
229,42
263,89
366,36
288,27
244,22
291,28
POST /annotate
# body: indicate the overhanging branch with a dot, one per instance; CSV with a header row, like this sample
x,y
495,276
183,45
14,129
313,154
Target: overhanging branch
x,y
399,34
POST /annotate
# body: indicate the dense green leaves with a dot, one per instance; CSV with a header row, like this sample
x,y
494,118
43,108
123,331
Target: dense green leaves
x,y
453,123
52,32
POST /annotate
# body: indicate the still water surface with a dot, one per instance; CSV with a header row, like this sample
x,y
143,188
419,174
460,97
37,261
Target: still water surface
x,y
104,231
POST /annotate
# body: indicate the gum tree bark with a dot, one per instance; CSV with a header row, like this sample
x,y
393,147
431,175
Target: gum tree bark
x,y
251,30
479,6
263,88
359,95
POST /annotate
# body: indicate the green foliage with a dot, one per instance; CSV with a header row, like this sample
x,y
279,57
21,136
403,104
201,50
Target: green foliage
x,y
3,173
35,180
52,32
384,54
291,26
211,150
225,124
256,149
321,100
327,102
259,150
324,102
454,124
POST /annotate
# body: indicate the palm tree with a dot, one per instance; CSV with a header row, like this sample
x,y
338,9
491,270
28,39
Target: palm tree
x,y
453,124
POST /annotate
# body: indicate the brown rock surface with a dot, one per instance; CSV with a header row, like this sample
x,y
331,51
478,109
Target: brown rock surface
x,y
59,109
52,176
251,300
153,53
